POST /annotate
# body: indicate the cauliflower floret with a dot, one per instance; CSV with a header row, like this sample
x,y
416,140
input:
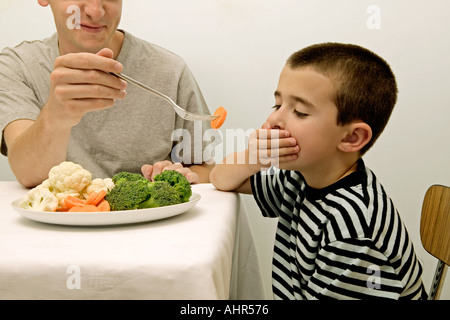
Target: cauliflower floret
x,y
96,185
40,198
68,177
46,184
65,179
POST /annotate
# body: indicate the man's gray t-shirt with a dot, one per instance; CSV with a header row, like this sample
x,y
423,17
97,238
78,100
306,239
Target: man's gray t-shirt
x,y
135,131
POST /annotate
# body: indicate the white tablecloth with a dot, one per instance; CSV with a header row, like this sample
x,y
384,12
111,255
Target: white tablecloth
x,y
206,253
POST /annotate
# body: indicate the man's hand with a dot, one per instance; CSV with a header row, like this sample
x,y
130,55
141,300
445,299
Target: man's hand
x,y
150,171
80,83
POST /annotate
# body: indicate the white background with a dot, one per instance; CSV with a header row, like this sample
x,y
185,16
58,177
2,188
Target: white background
x,y
236,49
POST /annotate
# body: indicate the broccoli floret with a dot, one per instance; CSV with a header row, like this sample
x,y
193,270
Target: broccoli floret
x,y
178,181
161,194
127,176
133,191
127,195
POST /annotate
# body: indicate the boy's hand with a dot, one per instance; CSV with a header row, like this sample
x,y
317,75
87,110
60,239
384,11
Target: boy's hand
x,y
269,147
266,147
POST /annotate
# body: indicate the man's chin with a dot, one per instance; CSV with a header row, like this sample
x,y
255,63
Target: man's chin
x,y
90,43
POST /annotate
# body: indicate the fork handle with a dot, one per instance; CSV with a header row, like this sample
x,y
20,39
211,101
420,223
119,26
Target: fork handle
x,y
143,86
180,111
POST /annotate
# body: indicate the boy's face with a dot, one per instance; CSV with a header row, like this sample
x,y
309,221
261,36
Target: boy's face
x,y
98,20
304,107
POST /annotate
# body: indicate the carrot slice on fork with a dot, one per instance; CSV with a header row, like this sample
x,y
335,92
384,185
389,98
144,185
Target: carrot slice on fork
x,y
218,122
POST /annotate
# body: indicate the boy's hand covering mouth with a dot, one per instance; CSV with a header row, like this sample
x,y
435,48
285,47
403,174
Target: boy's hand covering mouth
x,y
269,147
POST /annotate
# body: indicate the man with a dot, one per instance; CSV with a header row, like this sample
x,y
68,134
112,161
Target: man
x,y
59,101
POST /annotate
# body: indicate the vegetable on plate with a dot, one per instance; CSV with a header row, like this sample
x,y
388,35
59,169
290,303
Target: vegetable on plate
x,y
70,188
65,180
134,191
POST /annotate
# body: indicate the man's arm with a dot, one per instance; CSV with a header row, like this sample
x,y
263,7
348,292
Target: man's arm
x,y
34,147
79,83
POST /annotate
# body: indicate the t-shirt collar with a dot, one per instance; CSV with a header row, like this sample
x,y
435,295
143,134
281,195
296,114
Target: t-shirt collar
x,y
355,178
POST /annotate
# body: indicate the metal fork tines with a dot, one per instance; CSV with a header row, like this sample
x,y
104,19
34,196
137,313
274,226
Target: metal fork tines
x,y
180,111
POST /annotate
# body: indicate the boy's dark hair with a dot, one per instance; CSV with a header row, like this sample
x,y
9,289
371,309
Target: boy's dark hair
x,y
366,86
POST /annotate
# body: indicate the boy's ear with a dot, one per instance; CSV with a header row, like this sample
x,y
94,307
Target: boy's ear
x,y
357,137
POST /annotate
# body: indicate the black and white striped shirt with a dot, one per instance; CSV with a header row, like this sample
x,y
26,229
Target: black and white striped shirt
x,y
345,241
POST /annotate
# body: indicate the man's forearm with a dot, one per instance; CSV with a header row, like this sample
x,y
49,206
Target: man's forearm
x,y
33,151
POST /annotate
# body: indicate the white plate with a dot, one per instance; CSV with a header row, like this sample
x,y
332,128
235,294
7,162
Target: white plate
x,y
106,218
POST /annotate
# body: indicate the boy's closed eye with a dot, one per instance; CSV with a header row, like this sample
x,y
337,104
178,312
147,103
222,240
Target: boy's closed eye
x,y
300,114
296,112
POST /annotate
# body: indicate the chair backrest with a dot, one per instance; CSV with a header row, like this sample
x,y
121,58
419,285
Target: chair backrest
x,y
435,230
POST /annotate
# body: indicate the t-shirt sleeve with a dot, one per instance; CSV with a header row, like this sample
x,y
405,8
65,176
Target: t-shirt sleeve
x,y
268,190
17,98
353,269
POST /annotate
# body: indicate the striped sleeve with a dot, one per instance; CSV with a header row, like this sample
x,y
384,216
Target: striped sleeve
x,y
353,270
267,190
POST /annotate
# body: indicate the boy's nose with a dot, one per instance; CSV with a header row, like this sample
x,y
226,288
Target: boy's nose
x,y
275,120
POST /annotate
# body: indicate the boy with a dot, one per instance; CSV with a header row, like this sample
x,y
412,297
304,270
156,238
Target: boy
x,y
339,235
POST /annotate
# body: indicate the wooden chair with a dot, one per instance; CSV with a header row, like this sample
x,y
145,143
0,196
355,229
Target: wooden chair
x,y
435,232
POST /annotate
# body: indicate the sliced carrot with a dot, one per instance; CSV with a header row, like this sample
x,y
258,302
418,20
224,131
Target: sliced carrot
x,y
104,206
85,208
90,208
218,122
71,201
95,202
90,199
95,197
75,209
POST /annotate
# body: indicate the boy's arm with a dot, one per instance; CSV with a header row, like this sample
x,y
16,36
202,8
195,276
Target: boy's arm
x,y
265,148
231,175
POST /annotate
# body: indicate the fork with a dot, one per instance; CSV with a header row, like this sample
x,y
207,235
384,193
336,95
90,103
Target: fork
x,y
180,111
